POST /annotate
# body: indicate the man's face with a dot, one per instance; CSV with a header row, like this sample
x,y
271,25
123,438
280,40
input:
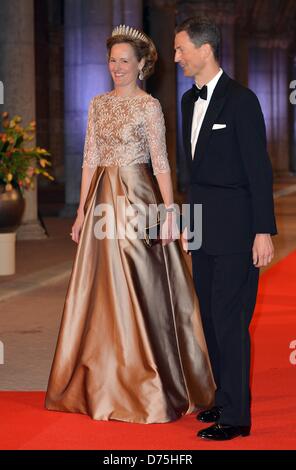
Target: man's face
x,y
190,57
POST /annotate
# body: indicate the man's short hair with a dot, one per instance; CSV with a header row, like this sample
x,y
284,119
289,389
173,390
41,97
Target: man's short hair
x,y
202,30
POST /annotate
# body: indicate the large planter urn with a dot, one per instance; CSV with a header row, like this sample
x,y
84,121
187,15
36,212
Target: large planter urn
x,y
12,206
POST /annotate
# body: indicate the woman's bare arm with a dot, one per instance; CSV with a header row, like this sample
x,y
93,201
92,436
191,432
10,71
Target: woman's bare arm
x,y
87,174
164,181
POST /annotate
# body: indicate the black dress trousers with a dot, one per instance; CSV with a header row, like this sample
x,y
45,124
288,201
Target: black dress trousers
x,y
227,288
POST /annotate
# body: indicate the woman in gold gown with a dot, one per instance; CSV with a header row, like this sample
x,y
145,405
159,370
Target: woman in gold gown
x,y
131,345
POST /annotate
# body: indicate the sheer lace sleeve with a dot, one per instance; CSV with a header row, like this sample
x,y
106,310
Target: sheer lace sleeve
x,y
90,155
155,129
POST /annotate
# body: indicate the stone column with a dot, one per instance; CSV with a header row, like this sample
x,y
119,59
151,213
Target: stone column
x,y
162,84
49,58
87,25
268,78
226,23
292,114
241,72
17,72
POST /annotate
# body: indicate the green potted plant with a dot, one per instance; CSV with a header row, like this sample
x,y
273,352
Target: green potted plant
x,y
19,164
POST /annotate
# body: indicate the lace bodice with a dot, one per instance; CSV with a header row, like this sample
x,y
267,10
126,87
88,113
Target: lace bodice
x,y
124,131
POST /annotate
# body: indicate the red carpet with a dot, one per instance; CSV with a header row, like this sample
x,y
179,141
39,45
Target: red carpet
x,y
26,425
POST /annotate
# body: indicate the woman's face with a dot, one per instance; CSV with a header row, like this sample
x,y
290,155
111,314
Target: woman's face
x,y
123,65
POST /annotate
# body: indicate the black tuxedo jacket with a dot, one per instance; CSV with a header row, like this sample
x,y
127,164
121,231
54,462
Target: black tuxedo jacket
x,y
230,174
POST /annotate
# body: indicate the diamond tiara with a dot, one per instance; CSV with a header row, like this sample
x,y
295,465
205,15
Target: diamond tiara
x,y
123,30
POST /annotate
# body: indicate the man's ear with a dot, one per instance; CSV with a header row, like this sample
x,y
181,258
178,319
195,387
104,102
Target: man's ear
x,y
207,51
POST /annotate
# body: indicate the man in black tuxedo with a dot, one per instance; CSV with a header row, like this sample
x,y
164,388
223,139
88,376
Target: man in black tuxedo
x,y
231,176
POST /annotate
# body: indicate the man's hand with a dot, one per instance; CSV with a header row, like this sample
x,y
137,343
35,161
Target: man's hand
x,y
263,250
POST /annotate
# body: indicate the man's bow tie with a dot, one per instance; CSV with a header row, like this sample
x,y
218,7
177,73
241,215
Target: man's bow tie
x,y
200,92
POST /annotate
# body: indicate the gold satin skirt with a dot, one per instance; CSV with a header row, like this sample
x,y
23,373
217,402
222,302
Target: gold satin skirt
x,y
131,344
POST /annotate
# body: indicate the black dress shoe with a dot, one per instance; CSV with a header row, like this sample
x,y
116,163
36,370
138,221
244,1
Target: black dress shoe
x,y
209,416
223,432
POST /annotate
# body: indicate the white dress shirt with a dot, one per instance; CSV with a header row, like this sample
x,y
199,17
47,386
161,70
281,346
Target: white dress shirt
x,y
200,109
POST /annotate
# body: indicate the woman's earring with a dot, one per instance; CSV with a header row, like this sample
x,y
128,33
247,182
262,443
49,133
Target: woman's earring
x,y
141,75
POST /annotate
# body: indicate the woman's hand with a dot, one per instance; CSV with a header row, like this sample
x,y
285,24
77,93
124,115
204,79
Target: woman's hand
x,y
184,241
169,229
76,228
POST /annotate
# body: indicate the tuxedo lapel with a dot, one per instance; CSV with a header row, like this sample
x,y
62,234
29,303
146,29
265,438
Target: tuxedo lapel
x,y
210,118
215,107
187,123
